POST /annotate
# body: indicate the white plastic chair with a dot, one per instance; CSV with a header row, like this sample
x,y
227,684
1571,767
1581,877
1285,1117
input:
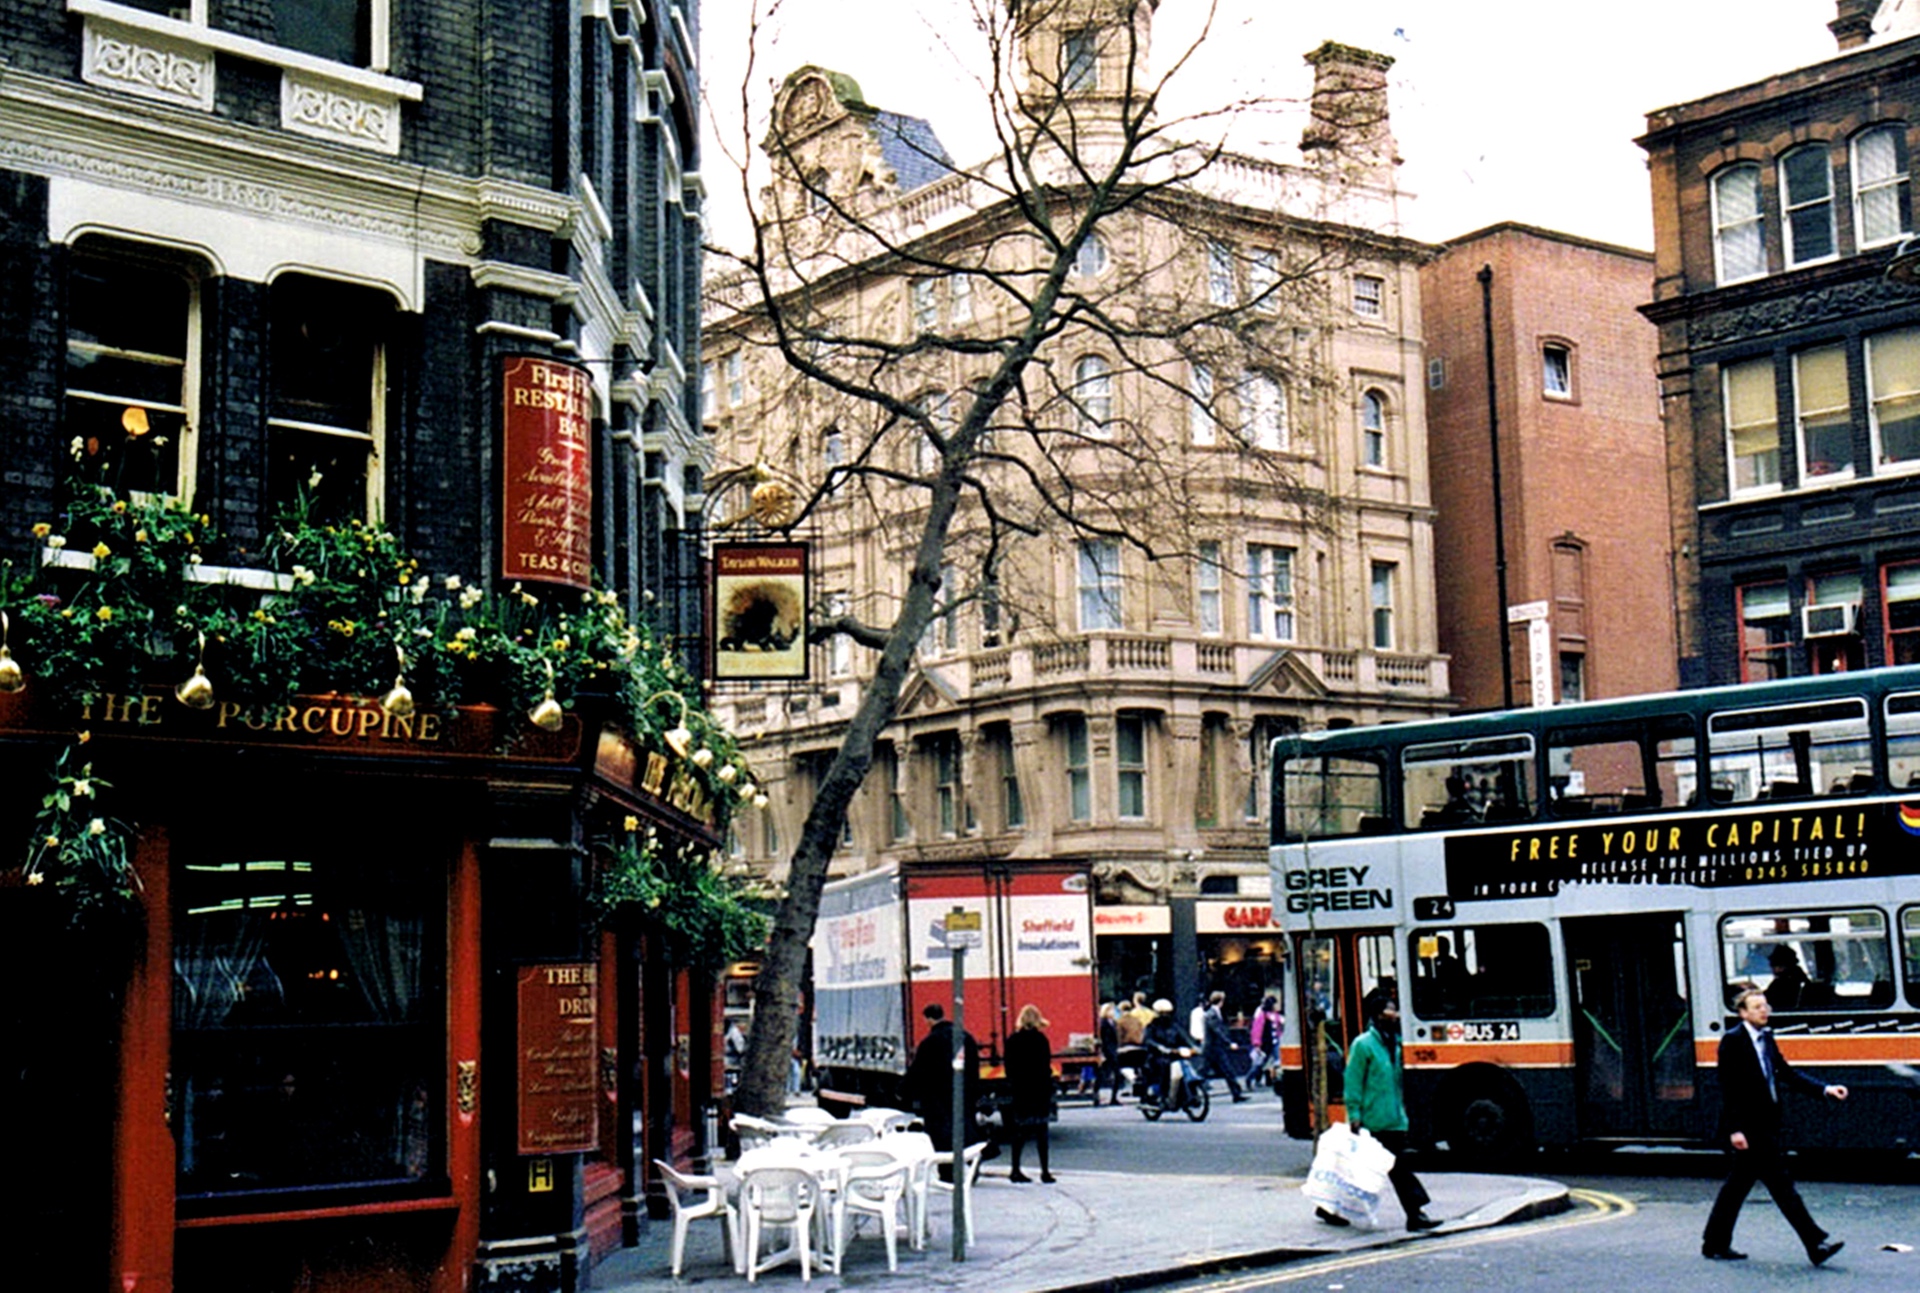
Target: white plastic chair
x,y
807,1115
916,1148
843,1135
787,1197
876,1181
886,1120
681,1191
970,1163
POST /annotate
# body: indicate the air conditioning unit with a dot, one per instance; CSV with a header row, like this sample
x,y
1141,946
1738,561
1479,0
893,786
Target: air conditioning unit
x,y
1829,620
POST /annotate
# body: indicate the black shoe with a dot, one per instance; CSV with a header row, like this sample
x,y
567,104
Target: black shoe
x,y
1421,1221
1726,1255
1826,1248
1046,1178
1019,1177
1239,1099
1331,1218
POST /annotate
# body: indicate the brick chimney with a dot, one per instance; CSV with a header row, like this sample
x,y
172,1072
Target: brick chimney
x,y
1852,25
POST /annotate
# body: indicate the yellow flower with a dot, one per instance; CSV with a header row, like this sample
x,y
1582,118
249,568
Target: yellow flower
x,y
96,827
632,823
119,507
56,541
53,841
67,614
560,645
42,530
105,613
139,536
101,552
84,737
36,878
457,647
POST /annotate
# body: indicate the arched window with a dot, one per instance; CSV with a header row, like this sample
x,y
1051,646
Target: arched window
x,y
1739,242
1091,260
1373,429
1093,394
1881,204
1806,199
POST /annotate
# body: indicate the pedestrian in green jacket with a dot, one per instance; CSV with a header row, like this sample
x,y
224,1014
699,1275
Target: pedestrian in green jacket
x,y
1375,1104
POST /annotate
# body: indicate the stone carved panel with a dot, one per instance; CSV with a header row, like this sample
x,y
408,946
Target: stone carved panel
x,y
323,109
1762,318
147,65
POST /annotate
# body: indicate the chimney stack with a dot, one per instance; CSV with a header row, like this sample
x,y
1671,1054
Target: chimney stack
x,y
1852,25
1349,122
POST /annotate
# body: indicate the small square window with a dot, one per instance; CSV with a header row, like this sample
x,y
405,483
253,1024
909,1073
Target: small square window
x,y
1436,373
1369,295
1556,371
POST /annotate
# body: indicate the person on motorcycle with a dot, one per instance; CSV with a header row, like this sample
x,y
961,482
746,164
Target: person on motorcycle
x,y
1166,1041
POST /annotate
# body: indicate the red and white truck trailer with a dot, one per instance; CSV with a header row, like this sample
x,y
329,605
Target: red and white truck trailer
x,y
880,955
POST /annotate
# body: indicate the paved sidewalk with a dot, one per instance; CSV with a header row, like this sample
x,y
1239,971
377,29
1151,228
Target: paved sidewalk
x,y
1100,1230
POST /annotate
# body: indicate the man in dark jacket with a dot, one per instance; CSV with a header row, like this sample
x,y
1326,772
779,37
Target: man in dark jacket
x,y
1165,1041
930,1081
1753,1073
1220,1045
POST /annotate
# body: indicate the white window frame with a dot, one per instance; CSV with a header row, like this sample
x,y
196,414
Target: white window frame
x,y
1080,60
1091,260
736,379
1436,373
1208,593
833,446
192,20
1201,428
1093,395
1370,296
959,298
1265,401
1220,276
1556,370
1765,367
188,406
374,437
1270,595
709,390
1866,188
925,298
1801,413
946,784
1725,226
1380,580
839,646
1790,205
1101,590
1877,398
1077,758
1263,277
1373,429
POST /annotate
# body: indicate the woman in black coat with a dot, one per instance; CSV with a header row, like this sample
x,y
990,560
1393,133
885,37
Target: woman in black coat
x,y
1029,1090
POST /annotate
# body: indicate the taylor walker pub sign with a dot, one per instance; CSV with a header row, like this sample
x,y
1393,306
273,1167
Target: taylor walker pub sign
x,y
1803,844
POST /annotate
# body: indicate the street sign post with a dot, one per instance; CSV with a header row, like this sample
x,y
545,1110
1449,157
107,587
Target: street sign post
x,y
963,931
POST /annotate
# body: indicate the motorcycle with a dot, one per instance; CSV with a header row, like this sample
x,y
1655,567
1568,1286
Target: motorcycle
x,y
1195,1100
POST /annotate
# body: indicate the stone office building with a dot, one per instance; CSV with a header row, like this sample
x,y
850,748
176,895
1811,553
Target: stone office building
x,y
270,254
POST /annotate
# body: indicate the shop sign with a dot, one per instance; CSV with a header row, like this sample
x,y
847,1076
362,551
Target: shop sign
x,y
559,1109
1234,918
546,472
1151,919
651,775
759,610
332,722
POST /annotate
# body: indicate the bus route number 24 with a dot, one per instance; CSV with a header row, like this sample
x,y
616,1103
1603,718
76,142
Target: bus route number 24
x,y
1505,1030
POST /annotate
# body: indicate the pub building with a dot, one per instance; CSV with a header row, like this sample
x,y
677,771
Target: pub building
x,y
427,268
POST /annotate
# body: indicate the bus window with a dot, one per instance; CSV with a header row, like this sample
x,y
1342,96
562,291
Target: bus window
x,y
1788,752
1468,783
1481,972
1603,768
1903,741
1331,797
1809,961
1910,940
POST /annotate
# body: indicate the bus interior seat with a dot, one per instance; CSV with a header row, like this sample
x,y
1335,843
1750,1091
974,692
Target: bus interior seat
x,y
1374,824
1634,801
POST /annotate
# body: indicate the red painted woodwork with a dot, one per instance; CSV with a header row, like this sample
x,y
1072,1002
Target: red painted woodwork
x,y
143,1189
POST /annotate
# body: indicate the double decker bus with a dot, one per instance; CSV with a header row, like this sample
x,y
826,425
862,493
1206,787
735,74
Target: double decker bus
x,y
1565,901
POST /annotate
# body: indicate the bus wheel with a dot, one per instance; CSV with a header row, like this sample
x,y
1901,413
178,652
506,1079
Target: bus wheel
x,y
1490,1122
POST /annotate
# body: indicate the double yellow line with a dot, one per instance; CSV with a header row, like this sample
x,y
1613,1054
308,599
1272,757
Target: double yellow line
x,y
1597,1207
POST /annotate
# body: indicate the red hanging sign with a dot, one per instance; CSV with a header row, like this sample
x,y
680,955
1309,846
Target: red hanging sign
x,y
547,472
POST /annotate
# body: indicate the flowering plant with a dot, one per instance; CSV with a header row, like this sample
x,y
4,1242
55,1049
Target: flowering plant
x,y
714,918
80,850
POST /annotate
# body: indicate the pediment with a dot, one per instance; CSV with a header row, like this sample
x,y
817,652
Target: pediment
x,y
1285,673
926,692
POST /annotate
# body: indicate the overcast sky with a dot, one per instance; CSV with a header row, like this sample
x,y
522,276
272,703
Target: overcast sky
x,y
1503,109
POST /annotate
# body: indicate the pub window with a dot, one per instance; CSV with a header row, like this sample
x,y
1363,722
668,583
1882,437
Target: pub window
x,y
132,379
326,423
1464,783
308,1008
1832,960
1481,972
1788,751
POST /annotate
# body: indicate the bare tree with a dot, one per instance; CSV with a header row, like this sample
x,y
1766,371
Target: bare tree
x,y
1071,341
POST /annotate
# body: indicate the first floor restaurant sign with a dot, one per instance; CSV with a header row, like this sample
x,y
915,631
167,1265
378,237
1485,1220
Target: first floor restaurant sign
x,y
559,1108
546,472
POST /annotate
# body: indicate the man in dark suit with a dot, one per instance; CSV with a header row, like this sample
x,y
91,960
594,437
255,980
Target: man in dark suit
x,y
1753,1074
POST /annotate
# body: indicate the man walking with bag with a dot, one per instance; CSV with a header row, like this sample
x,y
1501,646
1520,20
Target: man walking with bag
x,y
1752,1074
1375,1104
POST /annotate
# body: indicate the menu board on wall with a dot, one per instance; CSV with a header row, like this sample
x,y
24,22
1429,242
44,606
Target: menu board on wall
x,y
559,1072
546,472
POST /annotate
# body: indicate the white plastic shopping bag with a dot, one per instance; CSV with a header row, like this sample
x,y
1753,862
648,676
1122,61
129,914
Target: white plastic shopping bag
x,y
1349,1173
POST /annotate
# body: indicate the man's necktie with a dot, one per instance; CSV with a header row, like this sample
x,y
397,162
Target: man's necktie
x,y
1764,1043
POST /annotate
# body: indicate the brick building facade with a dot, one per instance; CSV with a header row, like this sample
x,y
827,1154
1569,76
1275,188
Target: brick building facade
x,y
1789,365
1589,595
255,255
